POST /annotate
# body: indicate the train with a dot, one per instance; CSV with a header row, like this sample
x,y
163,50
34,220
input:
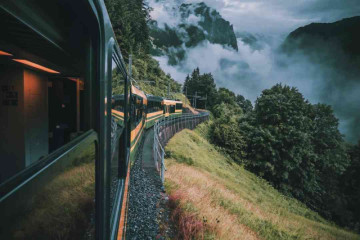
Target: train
x,y
71,121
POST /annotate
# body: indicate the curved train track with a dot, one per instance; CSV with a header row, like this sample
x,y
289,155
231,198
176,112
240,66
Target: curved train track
x,y
71,121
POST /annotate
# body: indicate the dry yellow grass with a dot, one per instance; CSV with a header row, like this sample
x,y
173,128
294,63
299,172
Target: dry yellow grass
x,y
235,203
64,207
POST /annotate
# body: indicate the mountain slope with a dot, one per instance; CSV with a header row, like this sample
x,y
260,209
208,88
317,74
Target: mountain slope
x,y
331,51
230,202
343,34
195,23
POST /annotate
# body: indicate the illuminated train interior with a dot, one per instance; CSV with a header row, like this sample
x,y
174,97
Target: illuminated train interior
x,y
41,103
45,109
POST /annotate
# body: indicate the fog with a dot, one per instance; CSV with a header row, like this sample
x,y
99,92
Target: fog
x,y
265,16
253,69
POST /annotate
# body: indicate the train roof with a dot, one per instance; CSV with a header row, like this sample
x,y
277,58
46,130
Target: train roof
x,y
138,92
170,102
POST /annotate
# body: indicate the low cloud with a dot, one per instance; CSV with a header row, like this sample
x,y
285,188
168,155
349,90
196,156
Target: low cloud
x,y
251,70
248,72
266,16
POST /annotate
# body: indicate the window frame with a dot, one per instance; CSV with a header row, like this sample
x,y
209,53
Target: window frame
x,y
114,213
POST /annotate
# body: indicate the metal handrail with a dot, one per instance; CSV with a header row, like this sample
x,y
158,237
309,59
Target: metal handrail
x,y
165,128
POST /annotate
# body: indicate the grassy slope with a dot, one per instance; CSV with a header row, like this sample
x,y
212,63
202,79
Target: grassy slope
x,y
232,202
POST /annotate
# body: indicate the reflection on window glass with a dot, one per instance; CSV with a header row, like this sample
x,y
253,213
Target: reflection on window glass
x,y
117,126
153,106
39,113
137,110
58,204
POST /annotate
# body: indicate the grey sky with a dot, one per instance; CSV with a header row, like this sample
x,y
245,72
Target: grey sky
x,y
281,16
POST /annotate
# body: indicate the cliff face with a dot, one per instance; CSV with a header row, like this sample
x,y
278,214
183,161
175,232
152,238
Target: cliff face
x,y
196,23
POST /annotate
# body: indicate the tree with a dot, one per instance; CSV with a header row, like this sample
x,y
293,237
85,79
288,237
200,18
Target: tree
x,y
331,162
129,19
245,104
201,85
225,133
224,95
350,185
298,148
280,147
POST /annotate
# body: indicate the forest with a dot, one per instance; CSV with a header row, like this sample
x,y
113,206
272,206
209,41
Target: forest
x,y
293,144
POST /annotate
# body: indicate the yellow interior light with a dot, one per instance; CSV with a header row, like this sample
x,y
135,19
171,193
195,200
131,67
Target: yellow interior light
x,y
35,65
2,53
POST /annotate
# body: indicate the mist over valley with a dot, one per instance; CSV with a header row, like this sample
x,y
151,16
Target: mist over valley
x,y
322,60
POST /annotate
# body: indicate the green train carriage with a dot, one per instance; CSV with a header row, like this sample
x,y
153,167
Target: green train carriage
x,y
154,111
70,119
64,159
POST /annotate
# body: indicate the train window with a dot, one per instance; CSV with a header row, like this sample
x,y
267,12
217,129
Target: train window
x,y
118,79
62,202
47,161
153,106
40,111
178,106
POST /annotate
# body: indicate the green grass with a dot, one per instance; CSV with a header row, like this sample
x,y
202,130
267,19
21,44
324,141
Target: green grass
x,y
236,203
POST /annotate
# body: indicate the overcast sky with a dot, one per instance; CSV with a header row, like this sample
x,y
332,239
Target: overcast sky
x,y
280,16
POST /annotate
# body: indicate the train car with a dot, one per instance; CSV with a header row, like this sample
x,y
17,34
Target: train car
x,y
70,122
117,109
172,107
154,110
169,107
138,116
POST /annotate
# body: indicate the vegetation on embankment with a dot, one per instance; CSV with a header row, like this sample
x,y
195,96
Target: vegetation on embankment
x,y
293,144
129,19
213,197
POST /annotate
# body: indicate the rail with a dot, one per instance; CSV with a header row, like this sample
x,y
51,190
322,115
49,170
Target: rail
x,y
165,128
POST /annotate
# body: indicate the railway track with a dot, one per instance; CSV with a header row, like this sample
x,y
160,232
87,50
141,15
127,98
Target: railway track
x,y
147,202
148,215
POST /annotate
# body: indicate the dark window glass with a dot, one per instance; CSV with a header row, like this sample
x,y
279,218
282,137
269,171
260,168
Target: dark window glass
x,y
154,106
172,108
117,126
178,106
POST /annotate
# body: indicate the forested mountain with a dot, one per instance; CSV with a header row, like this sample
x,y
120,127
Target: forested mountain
x,y
329,38
129,19
196,23
334,45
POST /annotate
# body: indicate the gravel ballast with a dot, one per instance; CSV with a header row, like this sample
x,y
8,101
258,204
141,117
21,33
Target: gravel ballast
x,y
147,202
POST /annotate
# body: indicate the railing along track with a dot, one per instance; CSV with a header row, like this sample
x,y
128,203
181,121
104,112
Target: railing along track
x,y
166,128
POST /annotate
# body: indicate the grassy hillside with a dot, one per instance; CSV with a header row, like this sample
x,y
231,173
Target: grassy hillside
x,y
214,198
